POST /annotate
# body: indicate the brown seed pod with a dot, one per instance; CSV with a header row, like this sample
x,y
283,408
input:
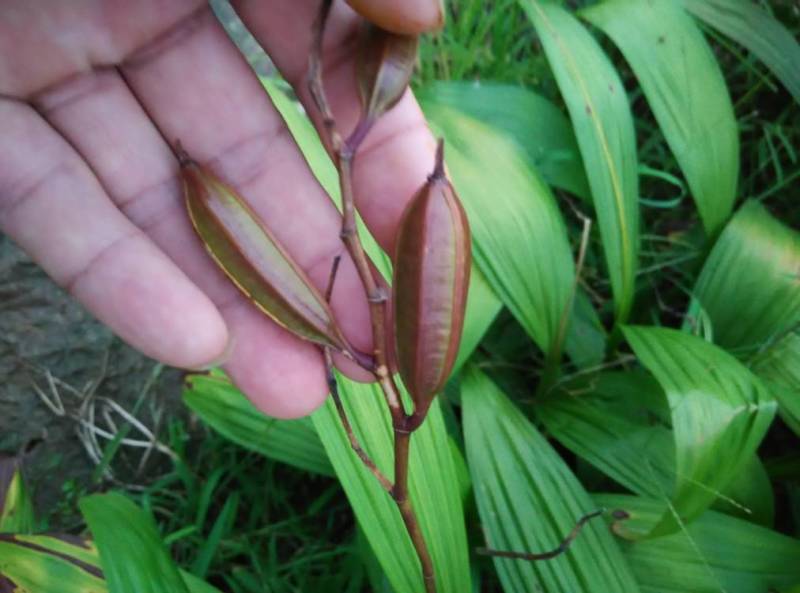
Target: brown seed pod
x,y
431,277
409,17
384,67
253,259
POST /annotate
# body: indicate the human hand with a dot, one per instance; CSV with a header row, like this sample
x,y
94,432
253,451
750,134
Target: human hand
x,y
92,94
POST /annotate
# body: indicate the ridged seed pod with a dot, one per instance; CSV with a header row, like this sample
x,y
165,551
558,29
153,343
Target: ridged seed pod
x,y
431,277
253,259
384,67
409,17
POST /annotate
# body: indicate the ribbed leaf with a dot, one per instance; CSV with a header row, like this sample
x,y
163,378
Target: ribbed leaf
x,y
747,24
748,286
601,116
715,553
620,423
779,368
433,484
538,127
482,304
529,500
16,506
133,558
720,412
223,407
45,564
684,86
61,564
520,242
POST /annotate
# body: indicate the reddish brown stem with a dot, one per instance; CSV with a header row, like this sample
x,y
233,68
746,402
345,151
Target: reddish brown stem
x,y
560,549
403,424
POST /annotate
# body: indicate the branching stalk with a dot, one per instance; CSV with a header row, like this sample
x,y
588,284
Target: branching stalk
x,y
403,424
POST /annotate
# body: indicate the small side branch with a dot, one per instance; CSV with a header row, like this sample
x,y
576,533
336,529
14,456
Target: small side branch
x,y
333,386
562,547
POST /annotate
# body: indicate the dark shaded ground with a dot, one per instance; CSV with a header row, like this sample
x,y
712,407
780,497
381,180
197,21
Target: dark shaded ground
x,y
46,337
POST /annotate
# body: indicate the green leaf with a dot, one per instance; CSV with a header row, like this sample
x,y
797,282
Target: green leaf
x,y
620,423
747,24
223,407
779,368
519,239
528,500
16,506
62,564
714,553
720,412
48,564
684,86
601,116
433,484
133,558
749,284
535,124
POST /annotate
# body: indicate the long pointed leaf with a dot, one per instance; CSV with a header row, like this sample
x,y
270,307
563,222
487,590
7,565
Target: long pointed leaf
x,y
748,286
779,368
685,89
603,123
529,500
520,242
720,412
434,489
715,553
538,127
620,423
747,24
133,558
16,505
223,407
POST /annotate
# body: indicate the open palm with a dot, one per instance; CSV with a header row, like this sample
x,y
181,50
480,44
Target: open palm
x,y
94,93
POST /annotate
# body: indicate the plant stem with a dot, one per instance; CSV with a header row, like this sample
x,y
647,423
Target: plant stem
x,y
402,446
402,423
560,549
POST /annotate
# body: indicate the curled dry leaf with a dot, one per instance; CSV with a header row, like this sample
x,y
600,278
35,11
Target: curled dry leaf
x,y
385,65
409,17
245,249
431,277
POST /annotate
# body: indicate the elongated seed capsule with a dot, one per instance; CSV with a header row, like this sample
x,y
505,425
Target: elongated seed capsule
x,y
409,17
384,67
431,277
245,249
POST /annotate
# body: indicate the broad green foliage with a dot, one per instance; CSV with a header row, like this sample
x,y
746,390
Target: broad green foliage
x,y
66,564
229,412
714,553
513,231
538,127
684,86
749,25
720,412
620,423
779,368
51,566
748,286
529,500
601,116
132,556
433,484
